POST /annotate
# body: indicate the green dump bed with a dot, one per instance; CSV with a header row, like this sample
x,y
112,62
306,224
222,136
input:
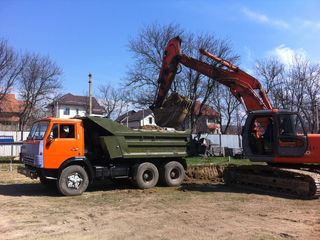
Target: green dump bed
x,y
123,142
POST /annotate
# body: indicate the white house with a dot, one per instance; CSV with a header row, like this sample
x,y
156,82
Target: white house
x,y
69,106
136,120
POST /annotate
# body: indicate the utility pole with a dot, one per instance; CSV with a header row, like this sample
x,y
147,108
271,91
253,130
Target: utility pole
x,y
127,116
142,117
90,94
317,116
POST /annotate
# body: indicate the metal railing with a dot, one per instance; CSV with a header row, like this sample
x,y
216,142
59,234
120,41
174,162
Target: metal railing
x,y
11,145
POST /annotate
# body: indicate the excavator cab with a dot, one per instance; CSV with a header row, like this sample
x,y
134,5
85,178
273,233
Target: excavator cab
x,y
273,133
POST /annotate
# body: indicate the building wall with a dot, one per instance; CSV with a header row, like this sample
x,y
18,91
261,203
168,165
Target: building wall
x,y
148,120
72,111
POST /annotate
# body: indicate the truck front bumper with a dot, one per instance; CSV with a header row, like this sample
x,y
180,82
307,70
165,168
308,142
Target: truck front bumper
x,y
31,173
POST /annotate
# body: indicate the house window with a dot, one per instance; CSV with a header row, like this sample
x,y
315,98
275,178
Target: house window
x,y
150,120
211,120
66,111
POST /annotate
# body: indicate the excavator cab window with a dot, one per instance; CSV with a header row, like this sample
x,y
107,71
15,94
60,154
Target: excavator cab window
x,y
292,139
274,134
261,135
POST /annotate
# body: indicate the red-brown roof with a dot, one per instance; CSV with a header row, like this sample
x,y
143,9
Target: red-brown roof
x,y
10,104
206,110
10,108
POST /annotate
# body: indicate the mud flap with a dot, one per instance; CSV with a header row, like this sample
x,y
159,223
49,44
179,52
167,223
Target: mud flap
x,y
173,111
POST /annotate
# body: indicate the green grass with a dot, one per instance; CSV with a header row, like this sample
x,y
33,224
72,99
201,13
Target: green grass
x,y
217,161
5,159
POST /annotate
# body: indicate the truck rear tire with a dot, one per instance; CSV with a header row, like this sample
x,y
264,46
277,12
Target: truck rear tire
x,y
146,175
172,174
73,181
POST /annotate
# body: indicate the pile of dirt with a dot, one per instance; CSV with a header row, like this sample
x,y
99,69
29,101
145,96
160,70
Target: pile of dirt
x,y
152,127
205,172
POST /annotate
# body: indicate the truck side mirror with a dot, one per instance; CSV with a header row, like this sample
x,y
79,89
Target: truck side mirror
x,y
50,138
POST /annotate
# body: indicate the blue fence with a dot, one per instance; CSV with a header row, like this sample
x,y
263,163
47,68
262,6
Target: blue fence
x,y
6,139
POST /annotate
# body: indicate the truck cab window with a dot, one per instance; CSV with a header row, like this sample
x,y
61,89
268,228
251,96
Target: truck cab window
x,y
54,131
67,131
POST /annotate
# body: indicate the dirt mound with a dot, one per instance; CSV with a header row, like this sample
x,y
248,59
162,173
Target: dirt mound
x,y
152,127
205,172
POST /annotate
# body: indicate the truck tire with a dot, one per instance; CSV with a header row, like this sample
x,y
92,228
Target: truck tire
x,y
172,174
73,181
146,175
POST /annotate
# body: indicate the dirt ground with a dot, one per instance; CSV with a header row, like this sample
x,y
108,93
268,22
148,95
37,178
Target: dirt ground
x,y
197,210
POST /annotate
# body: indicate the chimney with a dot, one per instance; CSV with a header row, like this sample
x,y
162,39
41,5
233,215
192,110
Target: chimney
x,y
90,94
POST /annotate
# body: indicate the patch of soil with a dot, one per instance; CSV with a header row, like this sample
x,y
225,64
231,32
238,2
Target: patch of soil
x,y
201,209
205,172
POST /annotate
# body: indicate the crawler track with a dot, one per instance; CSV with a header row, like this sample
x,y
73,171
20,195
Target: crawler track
x,y
303,183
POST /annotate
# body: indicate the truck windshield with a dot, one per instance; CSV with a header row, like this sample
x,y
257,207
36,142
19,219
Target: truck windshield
x,y
38,130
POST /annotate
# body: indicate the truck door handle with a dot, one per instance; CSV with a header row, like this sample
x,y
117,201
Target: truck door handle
x,y
75,149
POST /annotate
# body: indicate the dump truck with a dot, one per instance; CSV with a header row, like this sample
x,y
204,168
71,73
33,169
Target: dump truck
x,y
70,154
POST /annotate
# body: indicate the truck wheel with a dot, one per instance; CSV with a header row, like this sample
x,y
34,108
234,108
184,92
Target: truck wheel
x,y
146,175
48,183
73,181
172,174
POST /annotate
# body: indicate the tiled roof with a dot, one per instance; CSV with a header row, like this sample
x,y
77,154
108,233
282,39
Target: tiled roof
x,y
137,116
10,104
70,99
206,110
123,116
134,116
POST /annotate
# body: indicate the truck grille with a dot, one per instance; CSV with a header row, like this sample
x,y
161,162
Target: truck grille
x,y
28,161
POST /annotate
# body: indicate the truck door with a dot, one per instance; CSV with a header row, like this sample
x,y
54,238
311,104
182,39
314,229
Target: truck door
x,y
63,143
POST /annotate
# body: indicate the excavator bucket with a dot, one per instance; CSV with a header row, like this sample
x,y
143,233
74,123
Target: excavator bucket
x,y
173,111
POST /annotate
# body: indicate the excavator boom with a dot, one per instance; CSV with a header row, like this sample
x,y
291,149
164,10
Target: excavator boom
x,y
243,86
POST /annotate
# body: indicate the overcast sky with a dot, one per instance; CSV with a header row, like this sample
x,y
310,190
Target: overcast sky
x,y
92,36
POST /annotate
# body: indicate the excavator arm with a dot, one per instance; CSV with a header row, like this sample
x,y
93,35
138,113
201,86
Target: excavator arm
x,y
243,86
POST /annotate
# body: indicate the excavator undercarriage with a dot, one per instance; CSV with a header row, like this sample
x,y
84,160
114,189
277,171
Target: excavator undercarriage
x,y
297,182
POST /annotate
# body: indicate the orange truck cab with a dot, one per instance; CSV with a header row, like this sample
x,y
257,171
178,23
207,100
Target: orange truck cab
x,y
69,154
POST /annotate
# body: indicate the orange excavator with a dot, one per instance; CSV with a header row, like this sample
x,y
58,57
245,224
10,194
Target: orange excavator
x,y
273,136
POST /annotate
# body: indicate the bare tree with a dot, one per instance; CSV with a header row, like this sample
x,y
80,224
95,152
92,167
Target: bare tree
x,y
294,86
113,100
228,107
10,68
148,48
38,83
